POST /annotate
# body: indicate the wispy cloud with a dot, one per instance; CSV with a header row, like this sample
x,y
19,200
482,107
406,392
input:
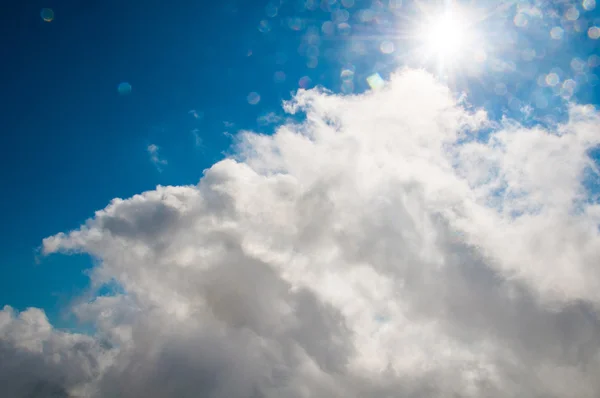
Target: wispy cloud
x,y
154,156
196,114
197,138
269,118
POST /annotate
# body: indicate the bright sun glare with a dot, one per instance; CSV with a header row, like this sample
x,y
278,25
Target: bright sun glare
x,y
444,38
444,35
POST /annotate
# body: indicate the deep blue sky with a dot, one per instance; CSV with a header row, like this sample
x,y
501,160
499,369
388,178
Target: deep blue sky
x,y
71,143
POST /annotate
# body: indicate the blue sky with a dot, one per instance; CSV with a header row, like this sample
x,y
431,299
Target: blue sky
x,y
72,142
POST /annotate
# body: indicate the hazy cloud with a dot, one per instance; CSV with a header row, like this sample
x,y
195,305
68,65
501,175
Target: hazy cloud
x,y
269,118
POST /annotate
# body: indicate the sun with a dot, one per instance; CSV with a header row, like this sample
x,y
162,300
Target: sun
x,y
445,38
444,35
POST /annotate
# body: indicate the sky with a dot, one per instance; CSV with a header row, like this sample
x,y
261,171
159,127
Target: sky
x,y
300,198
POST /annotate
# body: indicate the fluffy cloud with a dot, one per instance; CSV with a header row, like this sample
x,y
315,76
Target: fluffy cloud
x,y
38,361
395,243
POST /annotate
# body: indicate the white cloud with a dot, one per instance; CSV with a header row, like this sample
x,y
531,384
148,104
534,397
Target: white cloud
x,y
380,248
154,156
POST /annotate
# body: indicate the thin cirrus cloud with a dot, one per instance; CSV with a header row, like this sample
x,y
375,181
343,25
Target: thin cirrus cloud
x,y
380,247
155,158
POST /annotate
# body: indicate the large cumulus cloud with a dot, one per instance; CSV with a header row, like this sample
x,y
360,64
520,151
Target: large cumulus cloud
x,y
395,243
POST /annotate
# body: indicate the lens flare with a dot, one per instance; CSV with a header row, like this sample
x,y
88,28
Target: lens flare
x,y
124,88
47,14
375,81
